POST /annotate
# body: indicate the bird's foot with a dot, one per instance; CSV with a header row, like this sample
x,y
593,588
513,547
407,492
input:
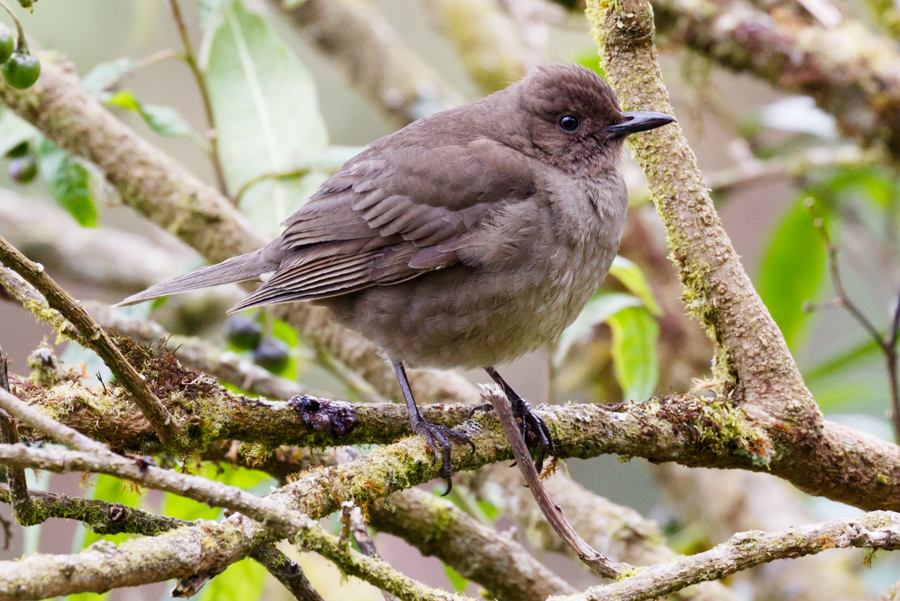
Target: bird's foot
x,y
534,429
441,437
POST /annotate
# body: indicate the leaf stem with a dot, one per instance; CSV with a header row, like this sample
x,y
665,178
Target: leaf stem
x,y
190,57
21,44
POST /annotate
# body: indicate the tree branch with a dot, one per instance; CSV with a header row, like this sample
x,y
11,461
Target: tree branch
x,y
377,62
876,530
847,69
90,335
480,553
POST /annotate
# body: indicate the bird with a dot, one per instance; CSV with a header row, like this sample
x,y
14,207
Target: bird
x,y
466,239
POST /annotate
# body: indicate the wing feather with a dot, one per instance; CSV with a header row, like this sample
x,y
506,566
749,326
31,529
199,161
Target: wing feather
x,y
391,217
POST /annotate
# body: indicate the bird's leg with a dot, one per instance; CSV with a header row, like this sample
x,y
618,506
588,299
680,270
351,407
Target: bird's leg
x,y
529,421
435,435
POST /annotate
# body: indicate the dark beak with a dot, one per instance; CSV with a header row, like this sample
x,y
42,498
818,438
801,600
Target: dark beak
x,y
636,121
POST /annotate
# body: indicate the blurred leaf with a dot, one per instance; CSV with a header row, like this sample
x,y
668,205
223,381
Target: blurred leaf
x,y
791,272
124,99
242,581
88,597
591,60
267,115
13,131
164,120
850,357
458,581
867,390
599,309
69,182
631,276
635,361
491,511
103,75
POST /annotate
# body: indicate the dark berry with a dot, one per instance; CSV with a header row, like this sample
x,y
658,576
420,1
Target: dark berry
x,y
21,70
23,169
7,43
242,333
272,354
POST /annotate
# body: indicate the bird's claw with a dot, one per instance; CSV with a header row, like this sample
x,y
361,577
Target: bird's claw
x,y
438,436
534,430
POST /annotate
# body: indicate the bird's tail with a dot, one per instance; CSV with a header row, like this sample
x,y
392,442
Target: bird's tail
x,y
237,269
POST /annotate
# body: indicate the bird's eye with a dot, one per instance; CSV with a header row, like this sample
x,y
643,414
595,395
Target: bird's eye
x,y
568,123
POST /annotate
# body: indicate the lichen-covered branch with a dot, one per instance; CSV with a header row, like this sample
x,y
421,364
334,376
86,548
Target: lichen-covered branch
x,y
480,553
752,357
716,504
275,517
876,530
612,529
52,428
198,354
378,63
89,334
848,69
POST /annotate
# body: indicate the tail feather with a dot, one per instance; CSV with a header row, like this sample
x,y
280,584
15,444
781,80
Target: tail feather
x,y
237,269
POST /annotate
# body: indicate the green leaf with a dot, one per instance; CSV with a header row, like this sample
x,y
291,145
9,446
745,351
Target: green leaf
x,y
69,182
164,120
99,79
631,276
791,272
242,581
591,60
267,116
13,131
459,582
599,309
635,361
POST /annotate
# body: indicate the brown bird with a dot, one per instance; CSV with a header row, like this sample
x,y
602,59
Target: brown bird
x,y
466,239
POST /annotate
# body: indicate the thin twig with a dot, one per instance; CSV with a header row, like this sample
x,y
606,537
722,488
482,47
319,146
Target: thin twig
x,y
52,428
89,334
298,172
148,61
190,57
875,530
598,563
9,433
887,342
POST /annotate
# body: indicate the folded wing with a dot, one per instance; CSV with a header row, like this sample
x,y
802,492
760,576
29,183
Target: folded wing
x,y
389,217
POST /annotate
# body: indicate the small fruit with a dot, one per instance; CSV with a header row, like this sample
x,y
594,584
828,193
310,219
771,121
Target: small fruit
x,y
21,70
272,354
242,333
20,149
7,43
23,169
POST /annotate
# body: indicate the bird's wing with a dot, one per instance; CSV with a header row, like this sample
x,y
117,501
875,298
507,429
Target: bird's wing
x,y
389,217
